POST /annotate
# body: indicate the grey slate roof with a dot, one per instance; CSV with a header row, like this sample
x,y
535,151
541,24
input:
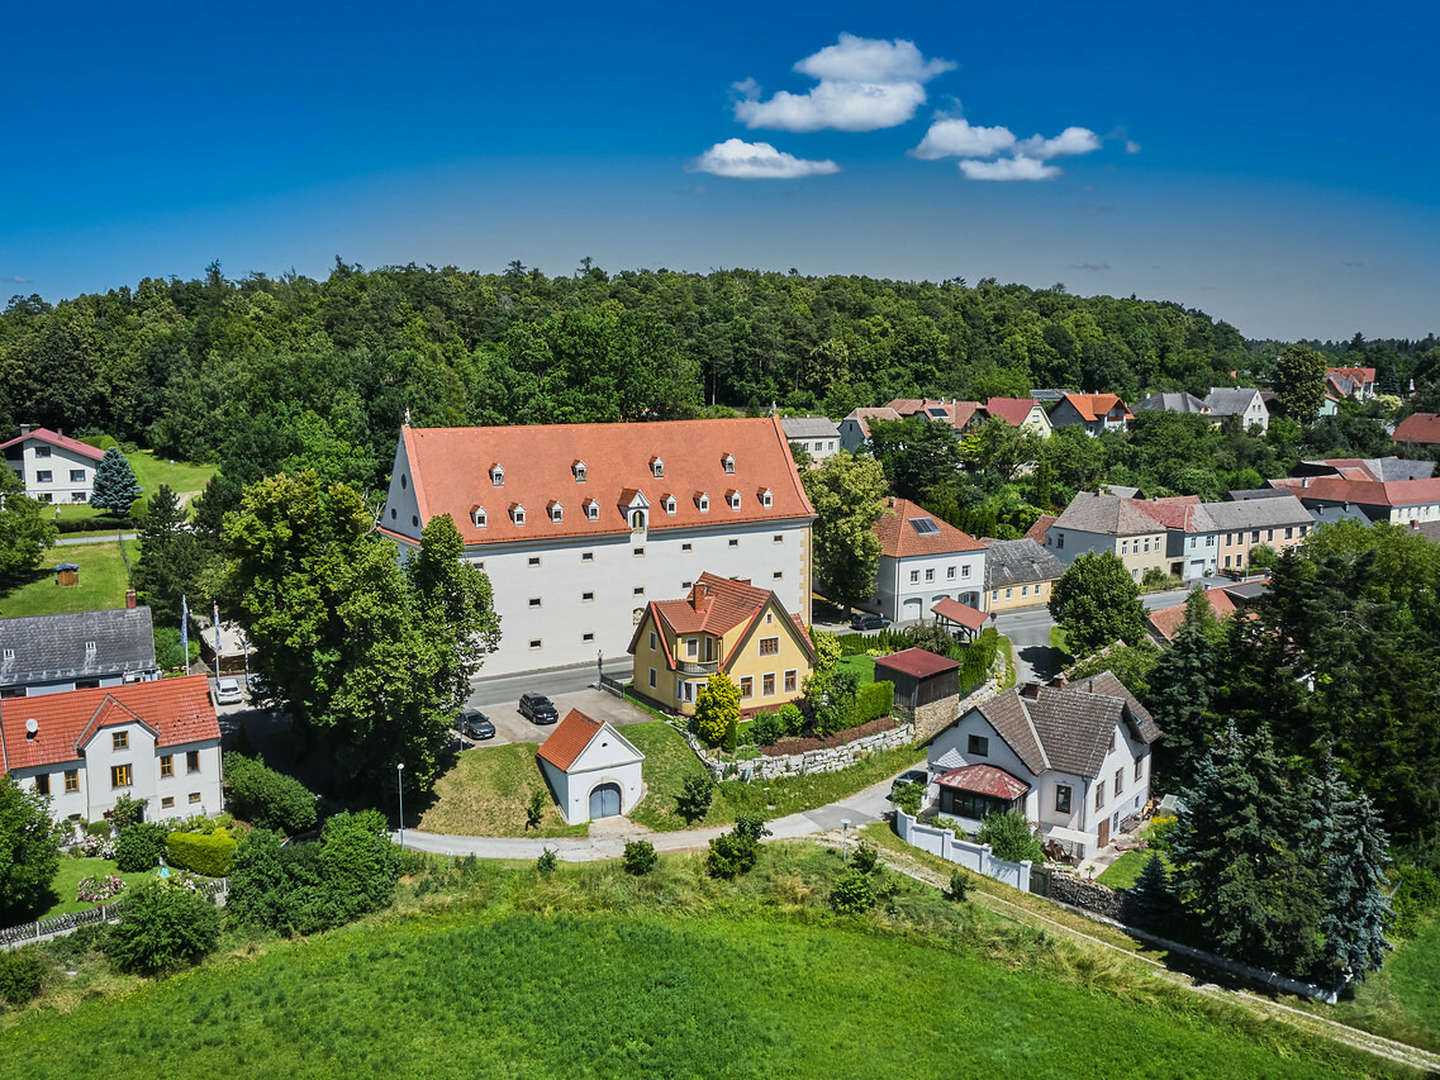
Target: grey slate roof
x,y
1180,401
1258,513
1109,684
1106,514
1008,716
1011,562
1230,400
52,648
809,427
1245,494
1393,468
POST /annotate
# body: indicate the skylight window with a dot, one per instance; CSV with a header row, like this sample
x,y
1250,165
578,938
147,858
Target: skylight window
x,y
924,526
937,413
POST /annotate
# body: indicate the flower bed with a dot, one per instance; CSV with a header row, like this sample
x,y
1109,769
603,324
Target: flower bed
x,y
839,738
98,888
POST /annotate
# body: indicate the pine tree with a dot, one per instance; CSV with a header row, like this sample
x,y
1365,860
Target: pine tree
x,y
1150,899
115,487
171,557
1180,690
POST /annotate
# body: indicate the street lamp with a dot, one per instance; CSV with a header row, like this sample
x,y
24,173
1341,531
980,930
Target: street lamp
x,y
400,791
844,828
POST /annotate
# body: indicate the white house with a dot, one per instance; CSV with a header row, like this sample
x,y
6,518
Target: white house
x,y
1244,402
53,467
818,436
924,560
593,770
48,654
158,742
855,428
578,526
1074,759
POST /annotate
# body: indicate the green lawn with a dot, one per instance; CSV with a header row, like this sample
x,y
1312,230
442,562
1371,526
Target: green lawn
x,y
185,479
1402,999
595,973
103,581
69,875
861,665
486,792
669,760
1125,871
1058,640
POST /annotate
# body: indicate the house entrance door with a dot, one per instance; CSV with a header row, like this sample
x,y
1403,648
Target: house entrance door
x,y
1104,832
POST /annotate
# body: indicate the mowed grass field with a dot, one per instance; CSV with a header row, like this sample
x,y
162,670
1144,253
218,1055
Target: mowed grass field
x,y
103,581
593,973
1402,999
67,878
486,793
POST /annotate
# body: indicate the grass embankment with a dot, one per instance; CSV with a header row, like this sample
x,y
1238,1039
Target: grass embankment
x,y
595,973
669,760
1060,643
486,793
103,581
1401,1000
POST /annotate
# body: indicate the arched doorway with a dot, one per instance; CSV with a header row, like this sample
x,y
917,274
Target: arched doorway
x,y
605,801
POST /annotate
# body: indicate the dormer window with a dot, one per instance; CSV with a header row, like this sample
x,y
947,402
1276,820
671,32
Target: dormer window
x,y
479,517
592,509
497,475
579,470
638,521
702,501
767,498
728,462
517,514
657,467
557,513
669,504
733,498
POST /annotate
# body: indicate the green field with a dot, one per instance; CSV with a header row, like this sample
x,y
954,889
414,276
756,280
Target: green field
x,y
486,792
1125,871
594,973
103,581
1402,1000
185,479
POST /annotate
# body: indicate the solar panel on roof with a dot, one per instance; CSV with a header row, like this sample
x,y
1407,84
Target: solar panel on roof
x,y
924,525
937,412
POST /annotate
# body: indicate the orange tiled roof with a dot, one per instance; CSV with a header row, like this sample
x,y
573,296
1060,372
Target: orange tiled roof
x,y
450,470
1166,622
1095,406
1358,374
899,540
569,739
1369,492
1423,428
1012,410
177,710
54,438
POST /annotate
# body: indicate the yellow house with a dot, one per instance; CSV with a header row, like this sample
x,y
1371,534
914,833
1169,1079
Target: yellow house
x,y
722,625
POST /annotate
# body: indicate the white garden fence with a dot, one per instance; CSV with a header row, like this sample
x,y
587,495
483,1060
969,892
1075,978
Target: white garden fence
x,y
977,857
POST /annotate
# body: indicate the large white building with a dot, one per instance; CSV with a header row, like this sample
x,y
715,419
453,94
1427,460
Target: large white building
x,y
579,526
53,467
158,742
924,560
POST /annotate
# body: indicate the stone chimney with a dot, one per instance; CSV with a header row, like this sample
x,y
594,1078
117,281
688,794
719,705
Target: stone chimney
x,y
25,429
130,599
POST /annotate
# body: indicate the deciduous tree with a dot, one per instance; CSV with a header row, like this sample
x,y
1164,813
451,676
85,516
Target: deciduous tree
x,y
25,531
1098,603
848,495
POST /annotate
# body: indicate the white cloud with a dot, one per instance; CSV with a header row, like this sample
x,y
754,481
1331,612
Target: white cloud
x,y
955,137
1073,140
1019,167
864,84
742,160
1131,146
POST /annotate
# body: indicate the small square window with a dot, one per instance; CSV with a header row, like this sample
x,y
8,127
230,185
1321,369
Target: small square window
x,y
914,576
77,476
639,590
747,686
767,684
44,476
167,765
534,601
777,575
929,573
120,740
1062,798
167,802
194,797
949,573
587,596
638,552
734,541
978,745
687,547
587,637
791,677
965,570
121,776
587,556
42,783
72,780
534,560
535,643
686,584
42,451
778,538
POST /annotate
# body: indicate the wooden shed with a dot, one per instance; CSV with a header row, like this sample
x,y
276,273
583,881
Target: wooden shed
x,y
67,573
921,677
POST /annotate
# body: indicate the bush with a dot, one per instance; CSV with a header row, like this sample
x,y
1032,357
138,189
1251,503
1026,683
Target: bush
x,y
534,809
22,975
792,720
127,811
211,855
258,881
101,829
959,885
640,857
140,846
266,798
909,797
358,862
768,729
163,927
1010,838
872,701
546,863
169,656
1415,893
853,894
731,742
693,802
865,857
1161,833
97,888
29,850
977,659
736,852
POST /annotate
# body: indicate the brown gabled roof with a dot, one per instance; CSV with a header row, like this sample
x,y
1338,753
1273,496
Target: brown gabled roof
x,y
1107,515
1042,525
952,609
1109,684
1422,428
899,538
1166,621
917,663
1006,714
54,438
1012,410
569,739
1096,406
863,415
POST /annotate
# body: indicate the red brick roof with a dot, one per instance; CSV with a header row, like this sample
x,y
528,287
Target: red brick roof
x,y
450,470
1095,406
1166,622
177,710
56,439
1042,525
569,739
1358,374
985,780
1012,410
899,540
1420,427
955,611
715,605
918,663
1370,492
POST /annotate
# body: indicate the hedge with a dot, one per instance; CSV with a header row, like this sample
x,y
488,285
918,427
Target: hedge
x,y
978,658
872,701
209,855
266,798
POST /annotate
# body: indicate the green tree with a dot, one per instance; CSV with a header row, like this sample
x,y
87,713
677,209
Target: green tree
x,y
848,495
163,927
717,708
267,799
1010,837
172,557
29,849
919,456
1097,603
693,802
997,450
114,488
1180,692
25,533
1298,377
360,864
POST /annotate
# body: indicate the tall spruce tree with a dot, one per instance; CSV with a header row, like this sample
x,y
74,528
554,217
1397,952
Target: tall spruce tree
x,y
115,487
171,557
1180,689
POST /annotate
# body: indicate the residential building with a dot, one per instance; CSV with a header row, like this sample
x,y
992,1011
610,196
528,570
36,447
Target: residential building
x,y
1099,523
578,526
722,625
1192,538
1244,403
818,436
924,560
1400,502
1351,382
958,414
53,467
1384,469
855,428
1095,412
158,742
1180,401
1019,573
593,771
1419,429
50,654
1020,412
1278,523
1075,759
1329,405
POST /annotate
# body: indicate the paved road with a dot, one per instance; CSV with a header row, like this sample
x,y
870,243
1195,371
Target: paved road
x,y
501,689
94,538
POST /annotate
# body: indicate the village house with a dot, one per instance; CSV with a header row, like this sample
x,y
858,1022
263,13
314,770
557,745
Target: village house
x,y
1351,382
1246,524
1024,413
158,742
1241,402
1192,547
1019,573
1181,401
727,626
1097,413
1384,469
579,525
1419,429
923,561
855,428
818,436
958,414
1099,523
52,467
1399,502
49,654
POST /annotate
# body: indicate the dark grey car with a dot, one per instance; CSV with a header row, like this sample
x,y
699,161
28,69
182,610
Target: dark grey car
x,y
476,725
538,709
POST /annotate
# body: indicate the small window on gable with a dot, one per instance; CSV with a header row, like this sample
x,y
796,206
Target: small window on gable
x,y
497,475
767,498
517,514
703,502
479,516
728,462
592,510
657,467
669,504
557,513
579,470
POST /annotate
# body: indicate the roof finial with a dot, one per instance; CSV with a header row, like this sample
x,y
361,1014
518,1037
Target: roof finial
x,y
406,421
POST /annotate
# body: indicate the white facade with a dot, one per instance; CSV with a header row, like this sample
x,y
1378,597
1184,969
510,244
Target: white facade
x,y
608,759
907,587
52,474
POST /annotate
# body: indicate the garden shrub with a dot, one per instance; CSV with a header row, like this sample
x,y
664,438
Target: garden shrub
x,y
535,808
211,855
547,862
865,857
140,846
258,881
164,926
22,975
640,857
909,797
977,659
266,798
768,728
359,862
736,852
731,742
959,885
98,888
1160,832
854,893
1010,838
693,802
872,701
101,829
792,720
126,811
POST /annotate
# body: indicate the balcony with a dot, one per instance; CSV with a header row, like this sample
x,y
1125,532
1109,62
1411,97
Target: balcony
x,y
697,667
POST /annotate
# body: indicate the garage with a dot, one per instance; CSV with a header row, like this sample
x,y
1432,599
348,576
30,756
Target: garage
x,y
593,771
913,611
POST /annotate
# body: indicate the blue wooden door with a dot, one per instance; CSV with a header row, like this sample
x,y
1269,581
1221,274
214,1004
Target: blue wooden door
x,y
605,801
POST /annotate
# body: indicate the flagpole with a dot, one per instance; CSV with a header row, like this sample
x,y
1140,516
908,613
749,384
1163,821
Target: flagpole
x,y
185,630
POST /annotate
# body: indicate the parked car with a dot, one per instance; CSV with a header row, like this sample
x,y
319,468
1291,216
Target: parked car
x,y
913,776
258,686
474,724
227,692
868,620
538,709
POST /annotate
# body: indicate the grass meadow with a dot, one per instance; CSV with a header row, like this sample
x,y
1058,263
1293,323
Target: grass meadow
x,y
103,581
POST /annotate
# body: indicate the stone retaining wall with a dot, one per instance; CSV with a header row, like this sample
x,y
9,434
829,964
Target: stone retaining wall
x,y
829,759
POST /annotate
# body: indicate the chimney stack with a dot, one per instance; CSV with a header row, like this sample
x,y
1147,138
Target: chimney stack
x,y
130,599
25,429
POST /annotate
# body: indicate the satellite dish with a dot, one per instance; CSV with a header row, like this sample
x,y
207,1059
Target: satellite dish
x,y
32,726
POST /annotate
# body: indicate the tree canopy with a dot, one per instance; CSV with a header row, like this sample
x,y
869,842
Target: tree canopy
x,y
848,495
1097,602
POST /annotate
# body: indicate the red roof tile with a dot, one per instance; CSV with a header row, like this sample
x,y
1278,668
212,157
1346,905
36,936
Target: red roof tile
x,y
955,611
1042,525
716,605
1095,406
1358,374
569,739
1422,428
56,439
918,663
450,469
1166,621
177,710
1012,410
985,780
899,539
1369,492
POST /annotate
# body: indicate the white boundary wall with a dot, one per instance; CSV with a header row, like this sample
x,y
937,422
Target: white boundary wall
x,y
975,857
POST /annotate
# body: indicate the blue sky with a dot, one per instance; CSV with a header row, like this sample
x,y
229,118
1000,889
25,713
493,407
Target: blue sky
x,y
1272,164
